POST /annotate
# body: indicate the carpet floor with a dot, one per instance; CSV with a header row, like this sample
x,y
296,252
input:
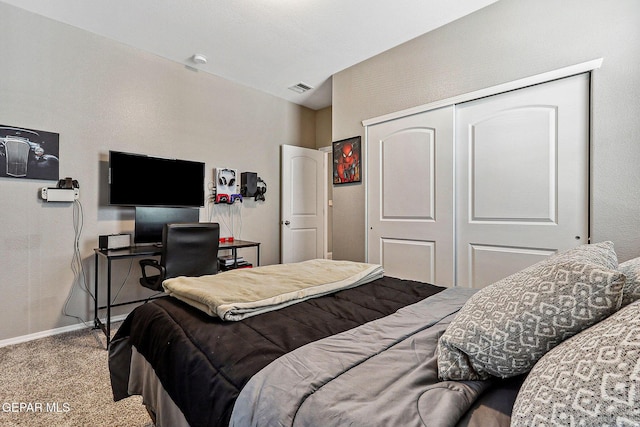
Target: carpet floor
x,y
63,380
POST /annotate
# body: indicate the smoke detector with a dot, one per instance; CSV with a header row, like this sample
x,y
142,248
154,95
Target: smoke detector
x,y
300,87
199,58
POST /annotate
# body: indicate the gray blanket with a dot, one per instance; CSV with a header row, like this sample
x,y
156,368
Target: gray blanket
x,y
381,373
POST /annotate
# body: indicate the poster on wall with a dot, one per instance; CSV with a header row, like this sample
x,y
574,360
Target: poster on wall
x,y
29,153
347,161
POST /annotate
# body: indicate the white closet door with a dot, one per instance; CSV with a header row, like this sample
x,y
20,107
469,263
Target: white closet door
x,y
410,196
522,171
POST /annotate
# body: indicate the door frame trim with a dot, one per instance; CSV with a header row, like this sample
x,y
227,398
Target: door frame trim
x,y
492,90
328,150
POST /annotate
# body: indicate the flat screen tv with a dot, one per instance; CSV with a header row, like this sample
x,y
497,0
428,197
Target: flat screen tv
x,y
140,180
150,221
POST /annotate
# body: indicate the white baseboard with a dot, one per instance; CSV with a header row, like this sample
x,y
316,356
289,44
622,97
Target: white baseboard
x,y
56,331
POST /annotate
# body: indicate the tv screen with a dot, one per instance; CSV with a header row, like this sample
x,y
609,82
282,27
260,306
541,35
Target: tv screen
x,y
149,221
140,180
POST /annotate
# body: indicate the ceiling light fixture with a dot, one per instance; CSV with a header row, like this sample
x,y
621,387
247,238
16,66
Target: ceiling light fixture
x,y
199,58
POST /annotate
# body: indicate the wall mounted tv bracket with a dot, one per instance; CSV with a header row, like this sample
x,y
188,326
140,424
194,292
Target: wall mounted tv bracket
x,y
67,190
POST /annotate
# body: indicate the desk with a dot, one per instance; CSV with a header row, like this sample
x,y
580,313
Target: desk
x,y
237,244
139,252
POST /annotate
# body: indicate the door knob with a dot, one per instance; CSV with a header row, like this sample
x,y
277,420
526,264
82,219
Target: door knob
x,y
287,222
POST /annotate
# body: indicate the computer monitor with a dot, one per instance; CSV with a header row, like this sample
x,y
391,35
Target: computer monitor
x,y
149,221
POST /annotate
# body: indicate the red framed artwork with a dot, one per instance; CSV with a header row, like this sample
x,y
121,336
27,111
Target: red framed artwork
x,y
347,161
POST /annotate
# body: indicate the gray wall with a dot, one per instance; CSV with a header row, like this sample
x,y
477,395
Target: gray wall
x,y
506,41
101,95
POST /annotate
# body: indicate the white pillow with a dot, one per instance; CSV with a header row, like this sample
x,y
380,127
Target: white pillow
x,y
631,291
505,328
592,379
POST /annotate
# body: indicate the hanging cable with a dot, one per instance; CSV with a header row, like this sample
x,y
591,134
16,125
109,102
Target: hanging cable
x,y
238,208
113,300
76,262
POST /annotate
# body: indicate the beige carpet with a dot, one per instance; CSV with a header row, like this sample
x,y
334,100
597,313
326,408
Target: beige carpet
x,y
63,381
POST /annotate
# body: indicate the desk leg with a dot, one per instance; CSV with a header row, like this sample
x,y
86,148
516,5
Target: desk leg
x,y
108,302
258,256
96,321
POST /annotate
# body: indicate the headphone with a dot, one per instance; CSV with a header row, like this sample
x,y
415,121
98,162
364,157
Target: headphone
x,y
222,180
260,189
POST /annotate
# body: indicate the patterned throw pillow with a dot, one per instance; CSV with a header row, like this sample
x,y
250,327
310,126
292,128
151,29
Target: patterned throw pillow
x,y
631,291
592,379
505,328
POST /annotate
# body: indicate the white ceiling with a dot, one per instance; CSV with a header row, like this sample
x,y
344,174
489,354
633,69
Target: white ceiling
x,y
268,45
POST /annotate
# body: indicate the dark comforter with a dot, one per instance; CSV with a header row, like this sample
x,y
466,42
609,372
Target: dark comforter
x,y
203,363
382,373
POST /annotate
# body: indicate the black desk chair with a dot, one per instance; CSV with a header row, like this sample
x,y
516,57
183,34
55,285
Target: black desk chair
x,y
189,249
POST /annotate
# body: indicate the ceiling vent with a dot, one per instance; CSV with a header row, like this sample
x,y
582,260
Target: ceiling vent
x,y
300,87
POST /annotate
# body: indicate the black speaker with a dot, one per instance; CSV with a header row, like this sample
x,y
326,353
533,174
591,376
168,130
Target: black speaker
x,y
248,184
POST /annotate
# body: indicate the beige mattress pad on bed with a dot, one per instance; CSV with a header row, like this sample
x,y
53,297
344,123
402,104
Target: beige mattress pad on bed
x,y
238,294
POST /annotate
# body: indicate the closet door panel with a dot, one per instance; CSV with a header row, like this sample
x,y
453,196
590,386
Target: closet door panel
x,y
498,149
492,263
522,178
407,158
409,259
410,196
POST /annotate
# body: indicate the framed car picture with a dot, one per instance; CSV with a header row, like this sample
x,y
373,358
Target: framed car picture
x,y
29,153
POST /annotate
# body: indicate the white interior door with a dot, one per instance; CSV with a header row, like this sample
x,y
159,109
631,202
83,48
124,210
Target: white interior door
x,y
410,216
522,162
303,176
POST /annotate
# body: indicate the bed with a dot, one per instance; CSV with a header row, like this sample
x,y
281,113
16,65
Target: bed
x,y
393,352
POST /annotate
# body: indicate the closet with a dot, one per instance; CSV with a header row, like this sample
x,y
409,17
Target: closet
x,y
466,193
